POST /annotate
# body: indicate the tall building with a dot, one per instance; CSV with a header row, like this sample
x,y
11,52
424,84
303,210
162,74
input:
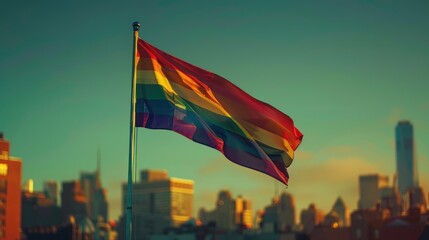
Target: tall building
x,y
10,193
95,194
50,189
159,202
370,190
406,166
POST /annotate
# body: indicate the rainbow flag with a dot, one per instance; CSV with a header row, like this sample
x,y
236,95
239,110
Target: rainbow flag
x,y
208,109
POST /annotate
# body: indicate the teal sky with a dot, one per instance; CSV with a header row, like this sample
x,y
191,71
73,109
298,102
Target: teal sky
x,y
345,71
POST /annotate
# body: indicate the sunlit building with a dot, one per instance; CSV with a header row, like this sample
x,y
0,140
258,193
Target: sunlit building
x,y
28,185
370,190
159,203
406,166
243,212
10,193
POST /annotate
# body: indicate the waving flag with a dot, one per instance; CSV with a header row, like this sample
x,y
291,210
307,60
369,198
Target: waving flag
x,y
208,109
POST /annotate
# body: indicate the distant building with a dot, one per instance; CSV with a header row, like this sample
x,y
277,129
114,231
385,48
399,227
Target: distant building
x,y
367,223
415,198
331,233
39,211
225,211
96,195
73,202
406,166
342,211
28,185
332,220
50,188
66,231
391,199
10,193
159,203
311,217
229,214
370,190
280,215
243,213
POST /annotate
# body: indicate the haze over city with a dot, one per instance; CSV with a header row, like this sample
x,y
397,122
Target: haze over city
x,y
346,73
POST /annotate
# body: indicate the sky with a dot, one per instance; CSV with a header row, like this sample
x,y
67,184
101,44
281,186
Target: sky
x,y
345,71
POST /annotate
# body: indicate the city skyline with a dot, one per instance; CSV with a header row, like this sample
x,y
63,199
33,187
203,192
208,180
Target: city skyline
x,y
346,74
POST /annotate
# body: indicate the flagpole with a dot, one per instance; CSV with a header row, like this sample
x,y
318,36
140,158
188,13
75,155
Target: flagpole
x,y
128,230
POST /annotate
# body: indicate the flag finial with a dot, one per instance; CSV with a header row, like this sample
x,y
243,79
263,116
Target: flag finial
x,y
136,26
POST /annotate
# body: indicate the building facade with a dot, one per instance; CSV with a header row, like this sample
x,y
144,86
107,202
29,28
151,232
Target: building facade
x,y
10,193
406,166
39,211
159,203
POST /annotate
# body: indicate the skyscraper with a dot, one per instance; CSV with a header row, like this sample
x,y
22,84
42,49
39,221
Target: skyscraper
x,y
406,166
96,204
370,190
10,193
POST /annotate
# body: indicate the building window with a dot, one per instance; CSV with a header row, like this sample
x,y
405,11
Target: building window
x,y
3,186
3,169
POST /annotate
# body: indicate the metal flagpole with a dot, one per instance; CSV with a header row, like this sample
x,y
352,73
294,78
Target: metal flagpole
x,y
128,230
